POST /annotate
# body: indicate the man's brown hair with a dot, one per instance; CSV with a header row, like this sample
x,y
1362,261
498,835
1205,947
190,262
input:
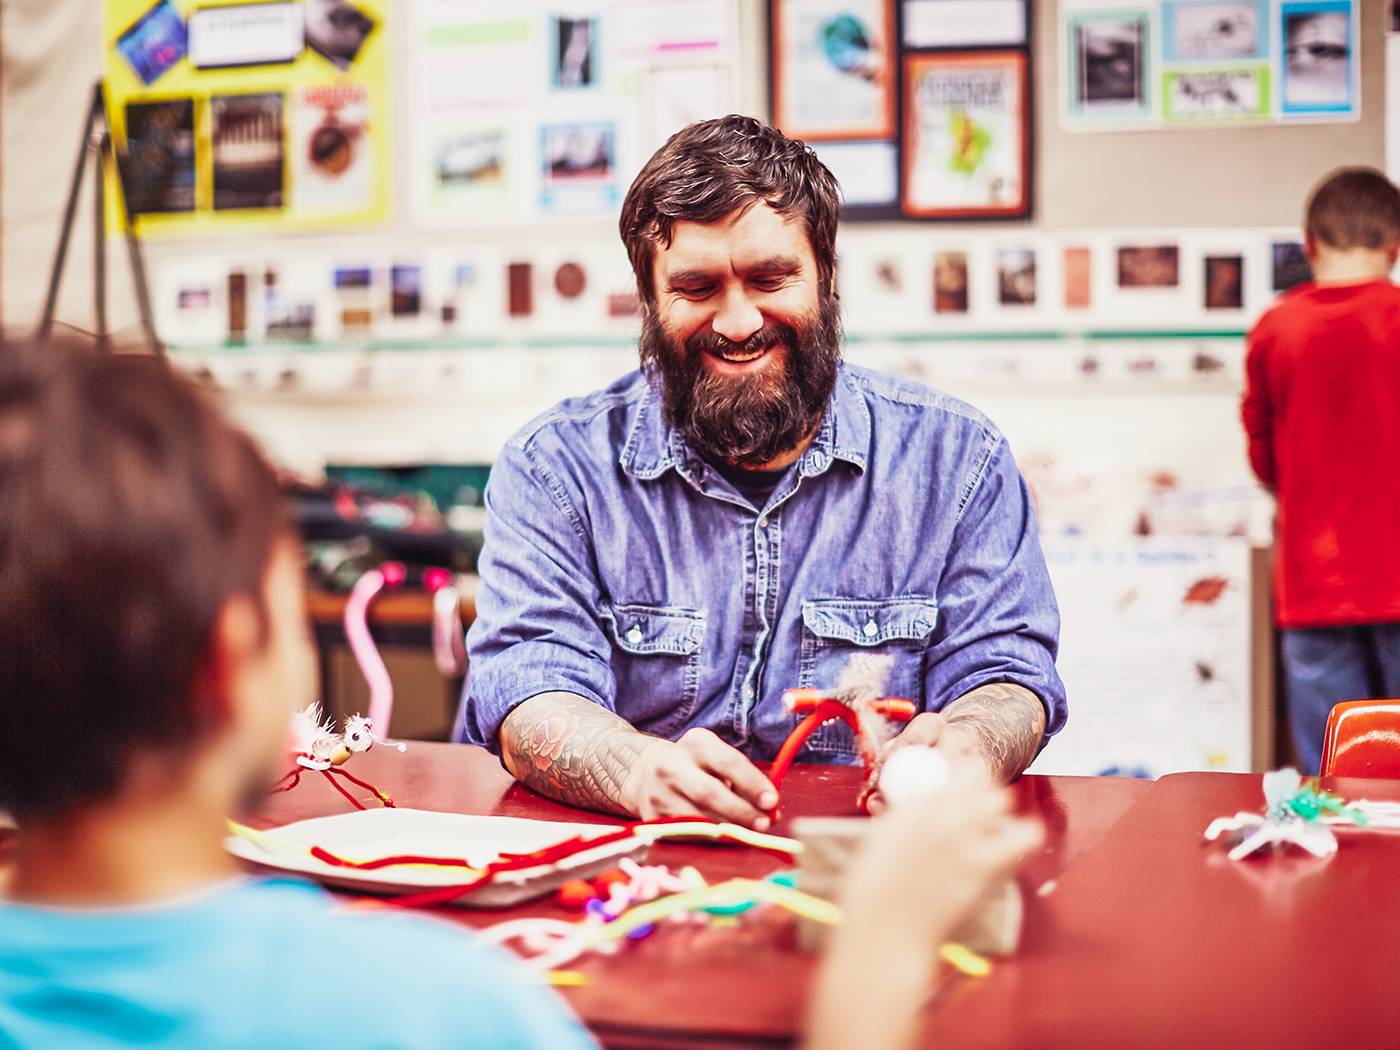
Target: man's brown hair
x,y
713,168
1354,208
130,513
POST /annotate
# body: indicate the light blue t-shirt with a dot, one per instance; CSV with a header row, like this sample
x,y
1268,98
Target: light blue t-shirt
x,y
264,963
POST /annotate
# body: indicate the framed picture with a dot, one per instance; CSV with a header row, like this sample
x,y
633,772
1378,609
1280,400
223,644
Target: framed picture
x,y
1215,30
1107,64
966,23
1319,58
834,68
966,135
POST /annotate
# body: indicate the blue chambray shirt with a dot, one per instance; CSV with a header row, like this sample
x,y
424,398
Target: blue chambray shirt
x,y
619,566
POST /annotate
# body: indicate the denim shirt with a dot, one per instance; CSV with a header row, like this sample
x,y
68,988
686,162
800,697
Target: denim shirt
x,y
620,567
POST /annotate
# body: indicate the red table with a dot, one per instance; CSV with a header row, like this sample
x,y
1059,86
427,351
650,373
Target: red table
x,y
1152,939
687,986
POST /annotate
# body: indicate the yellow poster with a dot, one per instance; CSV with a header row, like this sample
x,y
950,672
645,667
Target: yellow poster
x,y
248,115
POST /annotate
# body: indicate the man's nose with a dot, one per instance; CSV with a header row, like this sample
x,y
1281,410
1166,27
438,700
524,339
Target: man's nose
x,y
737,318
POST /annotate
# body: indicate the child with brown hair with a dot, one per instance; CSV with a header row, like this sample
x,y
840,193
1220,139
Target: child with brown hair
x,y
1322,413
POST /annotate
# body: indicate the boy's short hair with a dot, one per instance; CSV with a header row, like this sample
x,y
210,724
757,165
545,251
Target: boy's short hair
x,y
130,513
1354,208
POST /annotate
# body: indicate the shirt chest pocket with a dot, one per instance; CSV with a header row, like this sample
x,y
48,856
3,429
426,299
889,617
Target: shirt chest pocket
x,y
840,636
656,652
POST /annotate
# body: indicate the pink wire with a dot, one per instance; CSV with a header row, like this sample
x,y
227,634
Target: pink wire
x,y
381,688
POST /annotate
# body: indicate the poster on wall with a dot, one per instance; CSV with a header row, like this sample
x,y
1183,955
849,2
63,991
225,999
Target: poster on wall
x,y
1154,652
249,114
834,68
528,109
966,146
1175,63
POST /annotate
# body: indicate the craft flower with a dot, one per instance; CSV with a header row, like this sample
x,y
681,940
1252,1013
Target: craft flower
x,y
547,738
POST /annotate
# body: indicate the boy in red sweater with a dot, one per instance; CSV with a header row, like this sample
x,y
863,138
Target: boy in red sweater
x,y
1322,412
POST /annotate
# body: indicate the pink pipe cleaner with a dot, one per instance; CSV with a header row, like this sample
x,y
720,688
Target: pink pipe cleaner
x,y
381,688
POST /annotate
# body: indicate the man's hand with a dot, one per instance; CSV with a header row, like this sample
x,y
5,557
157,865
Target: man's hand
x,y
997,727
571,749
698,774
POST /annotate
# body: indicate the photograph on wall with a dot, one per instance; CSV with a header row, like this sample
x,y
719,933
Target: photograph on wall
x,y
1016,276
1217,94
966,137
950,283
405,290
578,167
332,169
1224,282
1078,277
469,165
247,151
1291,266
154,42
336,30
1319,56
1209,30
158,167
1108,63
1149,266
833,68
574,52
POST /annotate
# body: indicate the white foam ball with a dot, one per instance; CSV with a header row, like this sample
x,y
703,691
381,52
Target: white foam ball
x,y
913,772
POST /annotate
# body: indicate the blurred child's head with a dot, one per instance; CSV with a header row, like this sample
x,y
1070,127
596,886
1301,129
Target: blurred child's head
x,y
1354,210
152,626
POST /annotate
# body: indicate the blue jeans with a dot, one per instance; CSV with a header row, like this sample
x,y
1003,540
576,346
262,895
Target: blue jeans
x,y
1323,666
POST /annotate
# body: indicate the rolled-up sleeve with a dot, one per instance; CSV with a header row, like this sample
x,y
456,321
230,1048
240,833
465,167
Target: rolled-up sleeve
x,y
537,629
998,620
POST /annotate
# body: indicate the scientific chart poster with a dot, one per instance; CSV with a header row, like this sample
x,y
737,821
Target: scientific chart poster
x,y
1154,652
1175,63
966,138
249,115
526,109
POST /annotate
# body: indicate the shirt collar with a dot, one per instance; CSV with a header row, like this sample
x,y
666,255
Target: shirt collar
x,y
652,448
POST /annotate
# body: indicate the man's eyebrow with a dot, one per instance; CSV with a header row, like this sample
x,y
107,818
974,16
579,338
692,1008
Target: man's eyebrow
x,y
774,265
680,277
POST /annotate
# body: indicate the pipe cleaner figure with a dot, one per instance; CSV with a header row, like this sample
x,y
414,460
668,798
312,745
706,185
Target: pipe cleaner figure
x,y
1292,814
859,701
317,747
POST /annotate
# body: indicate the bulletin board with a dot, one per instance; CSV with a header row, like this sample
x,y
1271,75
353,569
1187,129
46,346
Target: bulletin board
x,y
922,109
249,115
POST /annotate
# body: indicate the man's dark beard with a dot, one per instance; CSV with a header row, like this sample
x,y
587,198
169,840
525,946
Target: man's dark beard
x,y
745,419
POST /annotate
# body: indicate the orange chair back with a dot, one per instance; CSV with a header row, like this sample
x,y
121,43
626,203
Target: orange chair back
x,y
1362,740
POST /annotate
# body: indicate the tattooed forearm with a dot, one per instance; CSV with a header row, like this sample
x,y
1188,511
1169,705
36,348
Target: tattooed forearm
x,y
572,750
1008,722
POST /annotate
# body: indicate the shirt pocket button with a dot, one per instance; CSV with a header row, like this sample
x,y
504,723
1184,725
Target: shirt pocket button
x,y
870,629
635,635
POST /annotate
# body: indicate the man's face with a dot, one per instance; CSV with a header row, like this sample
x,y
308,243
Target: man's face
x,y
745,344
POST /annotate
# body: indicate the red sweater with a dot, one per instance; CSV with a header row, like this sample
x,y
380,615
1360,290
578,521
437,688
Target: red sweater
x,y
1322,411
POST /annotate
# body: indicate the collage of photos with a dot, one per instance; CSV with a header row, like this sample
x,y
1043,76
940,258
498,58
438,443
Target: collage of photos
x,y
841,70
279,95
531,110
1208,62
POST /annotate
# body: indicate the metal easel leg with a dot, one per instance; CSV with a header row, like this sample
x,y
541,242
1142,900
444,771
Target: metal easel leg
x,y
70,210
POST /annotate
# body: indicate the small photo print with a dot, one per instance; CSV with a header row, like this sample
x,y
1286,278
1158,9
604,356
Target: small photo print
x,y
1110,66
353,277
475,158
1016,276
248,151
1149,266
1291,266
291,322
1078,279
336,30
1224,287
1317,57
575,52
580,167
950,283
158,170
405,291
194,299
154,42
1194,31
1217,94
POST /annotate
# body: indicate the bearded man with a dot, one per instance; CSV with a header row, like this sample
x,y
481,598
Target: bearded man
x,y
744,515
